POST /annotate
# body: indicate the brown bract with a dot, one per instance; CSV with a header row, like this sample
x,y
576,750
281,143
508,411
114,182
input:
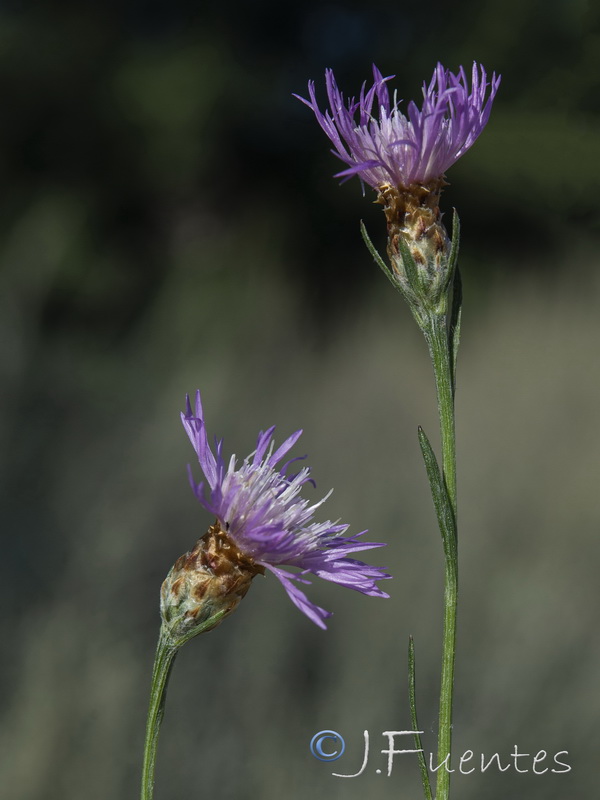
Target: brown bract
x,y
413,213
212,578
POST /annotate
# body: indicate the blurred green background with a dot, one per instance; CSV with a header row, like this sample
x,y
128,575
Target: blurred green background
x,y
169,221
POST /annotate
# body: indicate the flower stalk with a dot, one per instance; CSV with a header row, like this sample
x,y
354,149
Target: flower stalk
x,y
404,157
166,651
163,663
436,334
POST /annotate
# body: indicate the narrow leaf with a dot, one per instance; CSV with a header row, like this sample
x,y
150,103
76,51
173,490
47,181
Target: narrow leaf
x,y
453,258
454,325
414,720
441,499
377,258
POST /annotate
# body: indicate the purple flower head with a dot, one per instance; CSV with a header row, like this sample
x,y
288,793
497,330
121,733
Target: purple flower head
x,y
258,506
384,146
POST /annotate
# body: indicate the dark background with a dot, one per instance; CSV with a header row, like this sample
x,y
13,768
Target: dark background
x,y
168,221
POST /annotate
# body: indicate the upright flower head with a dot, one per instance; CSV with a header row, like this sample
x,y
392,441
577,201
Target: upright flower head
x,y
384,146
404,157
262,522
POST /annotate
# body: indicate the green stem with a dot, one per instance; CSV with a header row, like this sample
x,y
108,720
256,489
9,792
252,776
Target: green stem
x,y
163,662
174,633
412,693
437,338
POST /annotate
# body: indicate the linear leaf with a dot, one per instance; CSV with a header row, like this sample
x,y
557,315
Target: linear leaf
x,y
377,258
414,720
454,325
441,499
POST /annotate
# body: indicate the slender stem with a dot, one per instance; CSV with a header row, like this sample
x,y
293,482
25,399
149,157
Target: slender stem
x,y
412,693
163,662
437,339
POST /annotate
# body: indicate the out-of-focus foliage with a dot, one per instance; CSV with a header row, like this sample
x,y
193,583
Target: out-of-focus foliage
x,y
168,221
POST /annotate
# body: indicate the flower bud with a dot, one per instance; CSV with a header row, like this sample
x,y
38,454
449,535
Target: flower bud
x,y
209,580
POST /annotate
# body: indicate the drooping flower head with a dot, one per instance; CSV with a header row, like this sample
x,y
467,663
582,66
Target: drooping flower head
x,y
262,522
384,146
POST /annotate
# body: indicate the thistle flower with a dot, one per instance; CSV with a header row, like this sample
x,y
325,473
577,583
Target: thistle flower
x,y
390,148
262,523
404,157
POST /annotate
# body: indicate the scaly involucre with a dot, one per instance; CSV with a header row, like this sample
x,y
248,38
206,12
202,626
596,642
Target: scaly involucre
x,y
383,146
259,507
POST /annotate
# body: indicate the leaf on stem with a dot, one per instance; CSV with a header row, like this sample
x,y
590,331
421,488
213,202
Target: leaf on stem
x,y
454,325
414,720
441,498
377,258
453,258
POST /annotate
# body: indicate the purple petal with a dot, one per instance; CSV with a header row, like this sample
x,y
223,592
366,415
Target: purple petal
x,y
284,448
384,146
314,612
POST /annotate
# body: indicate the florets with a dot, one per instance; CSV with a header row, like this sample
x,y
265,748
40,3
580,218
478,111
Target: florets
x,y
382,145
261,515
